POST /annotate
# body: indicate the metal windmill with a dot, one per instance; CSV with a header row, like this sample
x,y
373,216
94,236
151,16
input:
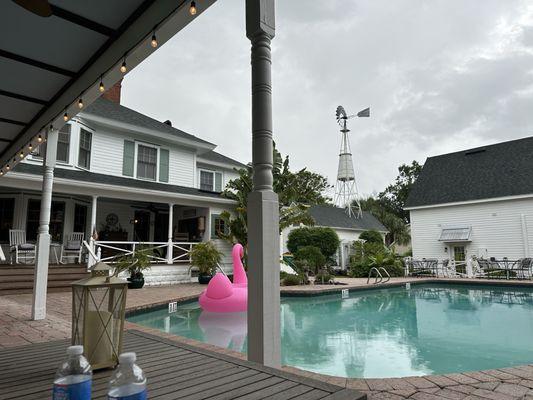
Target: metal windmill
x,y
346,195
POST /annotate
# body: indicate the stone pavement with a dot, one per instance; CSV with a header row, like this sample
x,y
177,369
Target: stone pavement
x,y
17,329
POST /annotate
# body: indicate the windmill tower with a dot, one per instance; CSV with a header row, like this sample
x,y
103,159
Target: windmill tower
x,y
346,195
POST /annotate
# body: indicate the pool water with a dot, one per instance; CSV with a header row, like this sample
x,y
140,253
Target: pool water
x,y
394,332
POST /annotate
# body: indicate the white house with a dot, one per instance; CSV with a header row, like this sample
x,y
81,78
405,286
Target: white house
x,y
476,202
128,177
348,228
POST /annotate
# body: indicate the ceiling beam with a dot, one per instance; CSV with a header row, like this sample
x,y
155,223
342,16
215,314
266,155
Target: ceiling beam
x,y
35,63
12,121
5,140
82,21
22,97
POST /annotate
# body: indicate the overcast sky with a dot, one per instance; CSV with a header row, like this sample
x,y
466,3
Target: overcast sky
x,y
439,76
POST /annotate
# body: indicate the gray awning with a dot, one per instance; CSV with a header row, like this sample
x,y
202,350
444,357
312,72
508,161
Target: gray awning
x,y
455,234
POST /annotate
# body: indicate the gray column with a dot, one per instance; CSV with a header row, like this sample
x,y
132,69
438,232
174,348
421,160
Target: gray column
x,y
264,344
40,280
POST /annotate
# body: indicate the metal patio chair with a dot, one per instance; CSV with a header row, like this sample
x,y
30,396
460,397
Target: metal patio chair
x,y
524,268
73,247
20,247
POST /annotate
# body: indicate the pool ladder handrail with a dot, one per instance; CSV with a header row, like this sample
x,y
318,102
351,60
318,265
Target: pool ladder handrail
x,y
379,276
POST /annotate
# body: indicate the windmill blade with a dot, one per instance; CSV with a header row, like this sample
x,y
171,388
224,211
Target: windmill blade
x,y
341,114
364,113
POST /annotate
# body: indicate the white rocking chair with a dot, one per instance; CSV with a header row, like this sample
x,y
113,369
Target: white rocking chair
x,y
18,245
73,247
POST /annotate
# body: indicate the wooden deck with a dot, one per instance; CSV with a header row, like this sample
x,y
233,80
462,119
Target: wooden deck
x,y
174,371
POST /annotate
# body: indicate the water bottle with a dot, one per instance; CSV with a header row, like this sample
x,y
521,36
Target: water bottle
x,y
74,377
128,381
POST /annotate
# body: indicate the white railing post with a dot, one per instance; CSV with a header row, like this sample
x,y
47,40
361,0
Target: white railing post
x,y
40,279
170,248
469,269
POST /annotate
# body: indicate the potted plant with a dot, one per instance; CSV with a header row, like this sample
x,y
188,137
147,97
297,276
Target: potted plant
x,y
135,265
205,256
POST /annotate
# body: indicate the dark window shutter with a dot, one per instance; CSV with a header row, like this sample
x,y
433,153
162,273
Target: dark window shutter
x,y
218,182
128,160
213,233
163,165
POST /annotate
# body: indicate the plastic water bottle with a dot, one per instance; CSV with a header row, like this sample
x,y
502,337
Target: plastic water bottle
x,y
74,377
128,381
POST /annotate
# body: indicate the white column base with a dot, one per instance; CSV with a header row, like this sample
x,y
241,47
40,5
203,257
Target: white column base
x,y
38,310
264,336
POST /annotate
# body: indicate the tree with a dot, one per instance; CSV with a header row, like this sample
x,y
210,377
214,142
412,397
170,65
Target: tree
x,y
296,192
372,236
311,256
325,239
398,231
395,195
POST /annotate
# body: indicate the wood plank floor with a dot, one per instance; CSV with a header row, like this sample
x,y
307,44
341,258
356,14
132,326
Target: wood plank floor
x,y
174,371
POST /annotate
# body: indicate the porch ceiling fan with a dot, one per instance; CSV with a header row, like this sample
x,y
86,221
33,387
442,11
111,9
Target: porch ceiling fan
x,y
41,8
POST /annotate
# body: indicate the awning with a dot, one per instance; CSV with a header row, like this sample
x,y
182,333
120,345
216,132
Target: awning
x,y
455,234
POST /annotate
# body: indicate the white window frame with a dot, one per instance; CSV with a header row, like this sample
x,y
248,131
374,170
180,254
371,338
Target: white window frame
x,y
92,131
154,146
212,172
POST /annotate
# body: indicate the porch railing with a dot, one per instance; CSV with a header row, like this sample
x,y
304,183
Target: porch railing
x,y
158,252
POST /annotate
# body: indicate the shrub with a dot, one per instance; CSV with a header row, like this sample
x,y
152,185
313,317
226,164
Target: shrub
x,y
323,277
291,280
205,256
311,256
361,269
371,236
326,239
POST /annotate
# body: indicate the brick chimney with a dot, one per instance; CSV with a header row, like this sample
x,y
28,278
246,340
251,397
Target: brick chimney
x,y
113,93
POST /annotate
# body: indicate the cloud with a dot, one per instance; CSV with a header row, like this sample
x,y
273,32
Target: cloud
x,y
439,76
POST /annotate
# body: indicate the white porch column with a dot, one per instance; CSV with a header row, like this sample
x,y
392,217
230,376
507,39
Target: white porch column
x,y
263,214
40,279
90,259
170,249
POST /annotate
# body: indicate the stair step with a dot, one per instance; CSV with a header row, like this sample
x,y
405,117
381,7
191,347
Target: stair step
x,y
29,284
51,278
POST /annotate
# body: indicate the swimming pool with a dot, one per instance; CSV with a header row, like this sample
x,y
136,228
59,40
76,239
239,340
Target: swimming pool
x,y
390,332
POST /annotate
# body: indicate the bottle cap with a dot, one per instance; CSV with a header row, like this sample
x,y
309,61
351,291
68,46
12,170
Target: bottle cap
x,y
75,350
127,358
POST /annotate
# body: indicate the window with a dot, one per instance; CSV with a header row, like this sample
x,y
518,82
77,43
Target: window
x,y
459,253
84,156
146,162
63,144
7,210
57,219
210,181
80,218
218,226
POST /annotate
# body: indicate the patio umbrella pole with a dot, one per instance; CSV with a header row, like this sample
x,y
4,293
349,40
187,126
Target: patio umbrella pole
x,y
263,213
40,279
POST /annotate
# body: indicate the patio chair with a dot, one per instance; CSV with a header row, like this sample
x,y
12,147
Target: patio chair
x,y
424,267
524,268
20,247
73,247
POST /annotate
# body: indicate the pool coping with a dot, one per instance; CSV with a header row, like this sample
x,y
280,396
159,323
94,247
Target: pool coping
x,y
473,383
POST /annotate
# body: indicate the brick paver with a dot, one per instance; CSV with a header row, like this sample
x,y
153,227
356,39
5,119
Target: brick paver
x,y
515,383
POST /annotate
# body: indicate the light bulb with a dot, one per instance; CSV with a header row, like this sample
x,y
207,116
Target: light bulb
x,y
101,87
65,117
80,103
7,167
30,147
21,155
1,173
192,8
39,138
154,41
123,67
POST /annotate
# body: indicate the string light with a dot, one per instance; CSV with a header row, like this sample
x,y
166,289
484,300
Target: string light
x,y
123,67
21,155
30,147
39,138
101,87
65,117
154,41
192,8
80,103
7,167
1,172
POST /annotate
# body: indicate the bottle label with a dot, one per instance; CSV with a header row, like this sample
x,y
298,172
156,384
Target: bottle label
x,y
137,396
76,391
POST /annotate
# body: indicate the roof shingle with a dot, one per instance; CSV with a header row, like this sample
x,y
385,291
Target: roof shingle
x,y
336,217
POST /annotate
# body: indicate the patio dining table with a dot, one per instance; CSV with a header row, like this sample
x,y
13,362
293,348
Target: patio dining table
x,y
503,268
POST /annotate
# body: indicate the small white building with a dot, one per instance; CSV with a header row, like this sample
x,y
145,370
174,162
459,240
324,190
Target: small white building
x,y
348,228
476,202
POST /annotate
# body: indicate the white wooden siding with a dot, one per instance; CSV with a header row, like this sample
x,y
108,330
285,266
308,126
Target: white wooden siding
x,y
496,229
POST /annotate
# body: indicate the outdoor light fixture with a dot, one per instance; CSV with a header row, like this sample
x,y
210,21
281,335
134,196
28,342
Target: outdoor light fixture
x,y
98,311
80,103
7,167
154,41
21,155
30,147
101,87
65,117
123,67
192,8
39,138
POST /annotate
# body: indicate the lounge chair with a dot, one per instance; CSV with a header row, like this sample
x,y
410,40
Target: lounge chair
x,y
20,247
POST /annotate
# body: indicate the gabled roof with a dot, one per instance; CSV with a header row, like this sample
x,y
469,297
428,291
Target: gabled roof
x,y
213,156
499,170
109,109
336,217
91,177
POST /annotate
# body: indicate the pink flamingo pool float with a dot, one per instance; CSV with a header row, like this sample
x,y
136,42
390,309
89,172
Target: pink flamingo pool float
x,y
223,296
